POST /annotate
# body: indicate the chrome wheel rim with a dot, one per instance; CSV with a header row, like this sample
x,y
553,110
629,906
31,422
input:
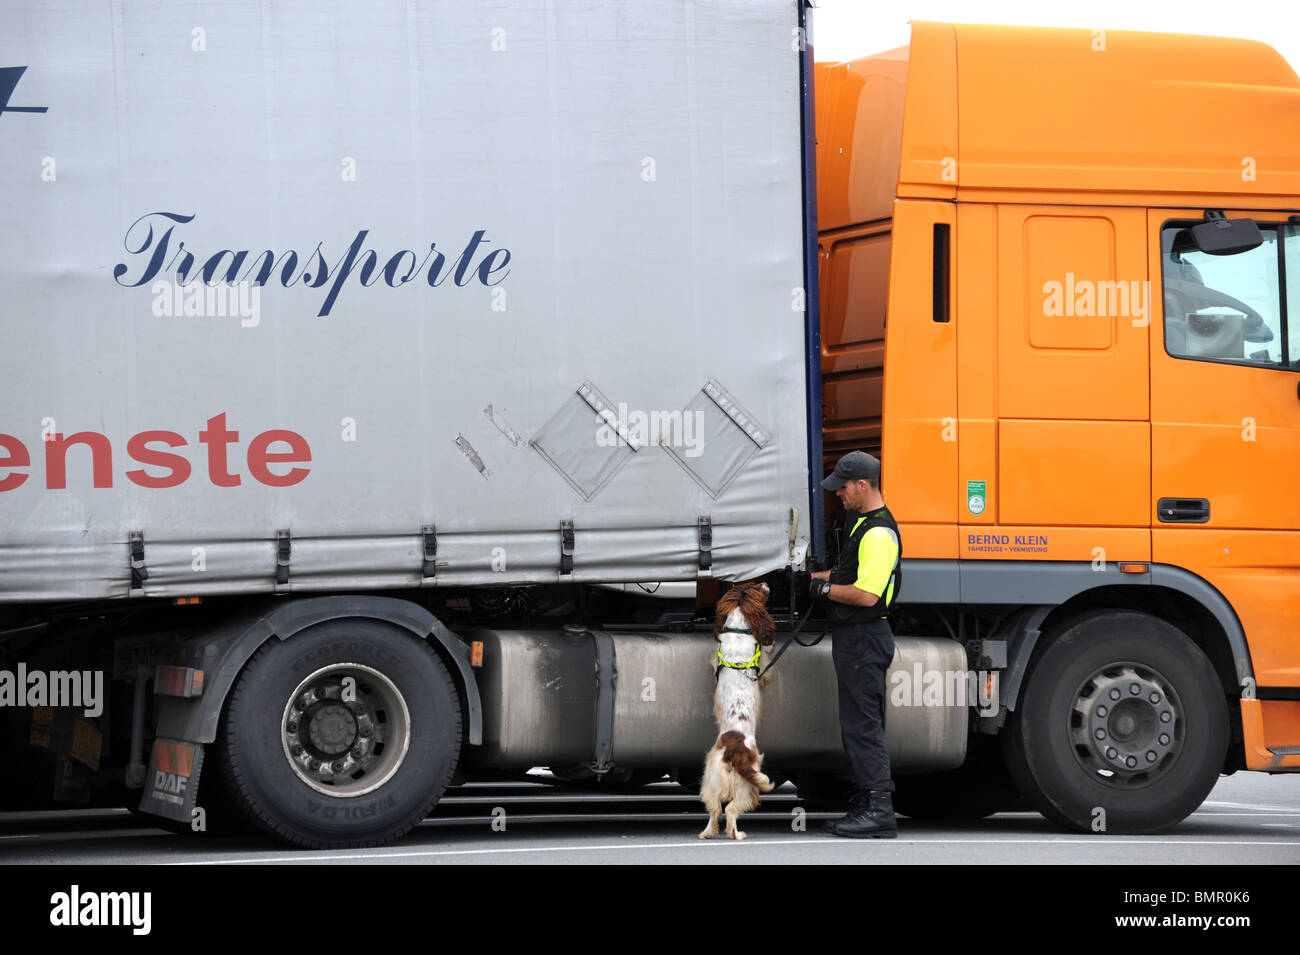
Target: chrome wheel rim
x,y
345,730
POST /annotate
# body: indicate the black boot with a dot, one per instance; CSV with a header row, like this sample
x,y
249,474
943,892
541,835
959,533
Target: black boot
x,y
857,803
870,816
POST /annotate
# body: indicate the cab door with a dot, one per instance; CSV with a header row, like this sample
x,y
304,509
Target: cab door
x,y
1225,425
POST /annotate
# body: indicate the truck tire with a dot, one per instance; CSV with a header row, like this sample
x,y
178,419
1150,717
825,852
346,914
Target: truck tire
x,y
344,736
1122,726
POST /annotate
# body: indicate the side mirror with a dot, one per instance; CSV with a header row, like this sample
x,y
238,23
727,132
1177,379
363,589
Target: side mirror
x,y
1226,236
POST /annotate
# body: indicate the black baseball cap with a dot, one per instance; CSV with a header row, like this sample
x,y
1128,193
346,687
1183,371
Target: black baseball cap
x,y
854,466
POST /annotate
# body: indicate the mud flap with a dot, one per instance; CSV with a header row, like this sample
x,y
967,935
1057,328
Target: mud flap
x,y
172,784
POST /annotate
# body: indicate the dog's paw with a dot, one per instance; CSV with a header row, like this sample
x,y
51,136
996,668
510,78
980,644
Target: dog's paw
x,y
708,834
739,836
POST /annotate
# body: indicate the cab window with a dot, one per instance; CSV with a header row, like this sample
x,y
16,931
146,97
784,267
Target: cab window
x,y
1233,308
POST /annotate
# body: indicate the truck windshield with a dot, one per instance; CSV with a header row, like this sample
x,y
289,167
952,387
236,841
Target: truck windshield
x,y
1242,308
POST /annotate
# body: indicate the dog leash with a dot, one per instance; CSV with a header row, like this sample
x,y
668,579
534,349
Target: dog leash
x,y
794,635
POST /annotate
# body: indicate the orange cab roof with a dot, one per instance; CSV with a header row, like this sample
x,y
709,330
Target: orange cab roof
x,y
1120,116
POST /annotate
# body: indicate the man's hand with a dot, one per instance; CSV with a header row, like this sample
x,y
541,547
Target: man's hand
x,y
819,587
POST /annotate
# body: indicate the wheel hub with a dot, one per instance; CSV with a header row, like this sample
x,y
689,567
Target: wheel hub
x,y
332,729
345,730
1127,723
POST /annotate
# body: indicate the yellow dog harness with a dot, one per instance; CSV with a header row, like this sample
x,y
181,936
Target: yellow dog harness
x,y
752,663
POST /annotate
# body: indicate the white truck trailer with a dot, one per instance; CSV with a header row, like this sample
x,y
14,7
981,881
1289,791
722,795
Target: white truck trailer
x,y
358,359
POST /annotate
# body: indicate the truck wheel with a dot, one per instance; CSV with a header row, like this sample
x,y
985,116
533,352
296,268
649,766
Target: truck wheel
x,y
343,736
1122,727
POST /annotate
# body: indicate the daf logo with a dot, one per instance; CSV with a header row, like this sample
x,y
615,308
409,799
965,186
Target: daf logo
x,y
9,77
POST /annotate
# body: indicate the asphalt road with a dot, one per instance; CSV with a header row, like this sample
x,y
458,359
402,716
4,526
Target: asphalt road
x,y
1248,819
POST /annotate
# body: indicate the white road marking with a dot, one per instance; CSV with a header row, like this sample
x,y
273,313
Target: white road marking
x,y
699,843
1250,805
642,817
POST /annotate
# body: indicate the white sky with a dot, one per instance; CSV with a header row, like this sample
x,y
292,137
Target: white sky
x,y
848,29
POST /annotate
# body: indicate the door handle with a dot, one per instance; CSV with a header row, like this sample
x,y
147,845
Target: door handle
x,y
1183,510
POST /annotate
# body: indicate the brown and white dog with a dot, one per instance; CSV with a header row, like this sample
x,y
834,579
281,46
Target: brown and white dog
x,y
732,768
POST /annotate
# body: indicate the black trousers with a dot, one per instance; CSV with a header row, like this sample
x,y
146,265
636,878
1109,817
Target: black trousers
x,y
862,654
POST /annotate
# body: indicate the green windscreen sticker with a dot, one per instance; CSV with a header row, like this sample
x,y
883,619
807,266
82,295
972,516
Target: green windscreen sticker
x,y
975,499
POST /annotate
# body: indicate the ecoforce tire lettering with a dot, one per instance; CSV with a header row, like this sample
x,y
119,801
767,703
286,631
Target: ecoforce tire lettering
x,y
412,706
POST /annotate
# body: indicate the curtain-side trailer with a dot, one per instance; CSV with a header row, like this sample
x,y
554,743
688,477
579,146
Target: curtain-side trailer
x,y
388,392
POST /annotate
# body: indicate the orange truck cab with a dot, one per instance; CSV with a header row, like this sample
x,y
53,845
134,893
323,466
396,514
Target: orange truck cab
x,y
1060,297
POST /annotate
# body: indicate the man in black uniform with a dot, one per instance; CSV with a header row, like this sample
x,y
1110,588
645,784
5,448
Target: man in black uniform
x,y
861,586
